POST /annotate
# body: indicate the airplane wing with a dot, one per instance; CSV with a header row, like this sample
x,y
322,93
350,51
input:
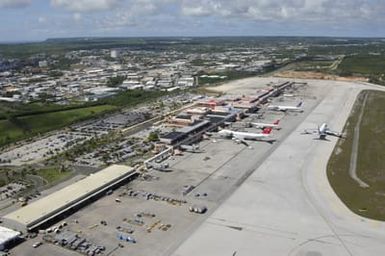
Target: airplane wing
x,y
245,143
266,125
310,131
241,140
273,107
333,133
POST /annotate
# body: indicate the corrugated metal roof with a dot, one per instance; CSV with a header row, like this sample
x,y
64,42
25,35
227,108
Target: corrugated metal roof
x,y
56,201
7,234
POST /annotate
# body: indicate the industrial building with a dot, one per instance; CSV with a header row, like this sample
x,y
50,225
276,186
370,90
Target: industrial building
x,y
7,237
53,206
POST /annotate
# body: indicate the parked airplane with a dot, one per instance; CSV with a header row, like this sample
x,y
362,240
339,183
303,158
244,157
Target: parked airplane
x,y
241,137
298,108
323,131
190,148
266,125
161,167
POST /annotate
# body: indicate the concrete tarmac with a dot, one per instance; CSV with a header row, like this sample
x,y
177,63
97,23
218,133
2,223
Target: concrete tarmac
x,y
287,207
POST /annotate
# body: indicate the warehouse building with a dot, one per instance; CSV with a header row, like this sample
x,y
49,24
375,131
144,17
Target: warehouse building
x,y
8,237
54,206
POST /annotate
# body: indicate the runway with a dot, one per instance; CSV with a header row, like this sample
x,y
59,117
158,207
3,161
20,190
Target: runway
x,y
287,207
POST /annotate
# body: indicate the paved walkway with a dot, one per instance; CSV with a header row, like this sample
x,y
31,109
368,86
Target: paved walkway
x,y
356,141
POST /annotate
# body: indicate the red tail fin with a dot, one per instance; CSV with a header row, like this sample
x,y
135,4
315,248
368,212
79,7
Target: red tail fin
x,y
276,122
267,130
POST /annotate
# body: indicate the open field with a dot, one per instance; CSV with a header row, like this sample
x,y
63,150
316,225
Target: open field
x,y
317,75
363,67
46,175
227,76
365,201
16,109
22,121
53,174
366,64
23,127
371,66
312,65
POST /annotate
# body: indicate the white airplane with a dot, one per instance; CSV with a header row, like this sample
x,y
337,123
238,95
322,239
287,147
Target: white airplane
x,y
298,108
241,137
323,131
190,148
265,125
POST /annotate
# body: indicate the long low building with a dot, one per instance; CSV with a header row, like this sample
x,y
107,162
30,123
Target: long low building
x,y
69,198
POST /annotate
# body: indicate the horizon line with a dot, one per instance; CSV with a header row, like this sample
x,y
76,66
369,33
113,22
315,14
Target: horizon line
x,y
187,36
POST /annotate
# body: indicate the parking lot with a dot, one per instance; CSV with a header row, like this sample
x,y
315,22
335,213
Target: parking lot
x,y
61,141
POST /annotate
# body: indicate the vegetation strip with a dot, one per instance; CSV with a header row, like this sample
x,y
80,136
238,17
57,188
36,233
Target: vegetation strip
x,y
365,201
354,155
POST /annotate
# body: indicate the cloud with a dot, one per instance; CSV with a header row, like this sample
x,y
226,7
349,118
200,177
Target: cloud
x,y
208,17
137,12
77,17
14,3
117,21
287,10
325,11
42,20
204,8
86,5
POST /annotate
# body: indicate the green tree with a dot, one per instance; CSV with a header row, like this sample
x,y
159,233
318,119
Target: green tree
x,y
115,81
153,136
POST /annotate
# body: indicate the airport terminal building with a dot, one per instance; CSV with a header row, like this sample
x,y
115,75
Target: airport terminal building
x,y
41,212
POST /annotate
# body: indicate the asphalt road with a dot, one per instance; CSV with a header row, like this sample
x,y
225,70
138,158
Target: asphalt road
x,y
354,155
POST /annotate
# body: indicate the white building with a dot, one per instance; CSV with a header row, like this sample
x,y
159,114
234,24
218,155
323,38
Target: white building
x,y
7,236
43,63
115,54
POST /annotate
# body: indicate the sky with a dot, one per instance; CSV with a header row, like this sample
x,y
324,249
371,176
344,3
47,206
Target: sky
x,y
31,20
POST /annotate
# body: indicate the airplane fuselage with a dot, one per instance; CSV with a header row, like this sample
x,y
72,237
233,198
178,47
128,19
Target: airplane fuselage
x,y
242,135
285,108
324,130
297,108
263,125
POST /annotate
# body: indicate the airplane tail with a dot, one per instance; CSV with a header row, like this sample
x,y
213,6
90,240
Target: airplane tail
x,y
267,130
300,104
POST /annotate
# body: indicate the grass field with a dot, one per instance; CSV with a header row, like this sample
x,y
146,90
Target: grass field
x,y
312,65
28,125
21,121
363,64
367,202
229,76
52,174
18,109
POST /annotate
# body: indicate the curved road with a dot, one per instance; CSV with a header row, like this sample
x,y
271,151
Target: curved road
x,y
356,141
